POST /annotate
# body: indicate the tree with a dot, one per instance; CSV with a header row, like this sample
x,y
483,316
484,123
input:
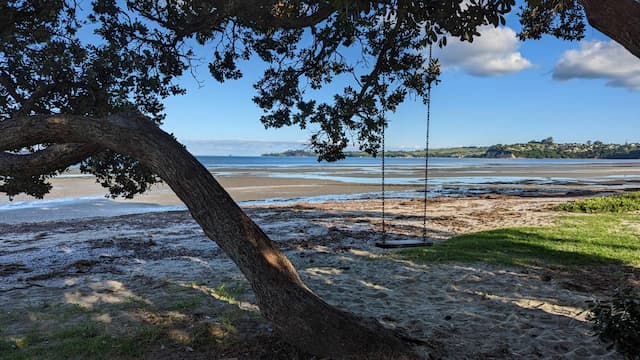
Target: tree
x,y
618,19
97,100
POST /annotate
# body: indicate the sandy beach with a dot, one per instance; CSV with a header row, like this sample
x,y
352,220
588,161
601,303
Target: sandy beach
x,y
157,270
128,271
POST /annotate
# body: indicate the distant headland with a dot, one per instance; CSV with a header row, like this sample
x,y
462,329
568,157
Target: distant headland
x,y
543,149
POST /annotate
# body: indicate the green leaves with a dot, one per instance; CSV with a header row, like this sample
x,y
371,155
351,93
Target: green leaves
x,y
47,68
563,19
618,321
121,175
382,49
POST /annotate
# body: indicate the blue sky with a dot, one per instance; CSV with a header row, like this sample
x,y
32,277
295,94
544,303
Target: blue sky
x,y
497,90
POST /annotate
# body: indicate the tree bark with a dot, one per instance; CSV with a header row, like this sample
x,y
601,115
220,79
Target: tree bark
x,y
300,316
53,158
618,19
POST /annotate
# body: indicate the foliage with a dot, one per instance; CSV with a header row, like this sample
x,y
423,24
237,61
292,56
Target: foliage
x,y
547,149
608,204
544,149
618,321
45,68
563,19
131,52
574,241
291,153
459,152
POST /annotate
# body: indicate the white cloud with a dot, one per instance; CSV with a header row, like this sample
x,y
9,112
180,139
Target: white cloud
x,y
494,53
241,147
600,60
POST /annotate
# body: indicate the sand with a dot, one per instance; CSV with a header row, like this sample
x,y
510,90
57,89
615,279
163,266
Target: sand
x,y
128,271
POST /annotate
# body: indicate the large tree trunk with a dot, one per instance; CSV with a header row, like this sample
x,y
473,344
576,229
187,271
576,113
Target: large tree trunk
x,y
618,19
300,316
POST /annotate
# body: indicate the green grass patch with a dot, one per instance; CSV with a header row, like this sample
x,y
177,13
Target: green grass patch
x,y
92,340
618,203
71,331
186,304
89,340
229,293
575,240
81,341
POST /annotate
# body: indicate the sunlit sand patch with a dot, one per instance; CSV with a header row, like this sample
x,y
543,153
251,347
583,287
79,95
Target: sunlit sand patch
x,y
226,297
536,304
103,318
108,292
373,286
324,271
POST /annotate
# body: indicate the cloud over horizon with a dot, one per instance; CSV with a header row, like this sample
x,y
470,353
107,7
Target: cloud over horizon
x,y
240,147
605,60
492,54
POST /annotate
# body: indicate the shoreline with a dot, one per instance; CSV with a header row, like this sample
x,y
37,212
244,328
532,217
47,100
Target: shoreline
x,y
238,178
253,183
61,206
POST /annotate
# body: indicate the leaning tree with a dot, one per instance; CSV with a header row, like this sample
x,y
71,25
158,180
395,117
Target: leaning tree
x,y
86,85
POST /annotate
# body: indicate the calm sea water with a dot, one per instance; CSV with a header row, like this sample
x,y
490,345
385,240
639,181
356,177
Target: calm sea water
x,y
304,161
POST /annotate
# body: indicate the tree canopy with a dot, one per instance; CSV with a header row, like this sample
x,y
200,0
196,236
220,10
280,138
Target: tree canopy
x,y
67,57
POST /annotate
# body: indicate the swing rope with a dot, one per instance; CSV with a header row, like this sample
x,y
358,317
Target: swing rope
x,y
426,157
384,229
426,171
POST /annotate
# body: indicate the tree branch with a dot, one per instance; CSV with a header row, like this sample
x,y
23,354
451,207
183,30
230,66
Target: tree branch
x,y
10,86
258,14
618,19
28,104
53,158
283,20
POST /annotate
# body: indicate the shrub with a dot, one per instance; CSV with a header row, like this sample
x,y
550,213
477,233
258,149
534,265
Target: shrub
x,y
613,203
618,321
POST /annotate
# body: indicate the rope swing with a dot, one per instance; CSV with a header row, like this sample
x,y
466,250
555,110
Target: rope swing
x,y
395,244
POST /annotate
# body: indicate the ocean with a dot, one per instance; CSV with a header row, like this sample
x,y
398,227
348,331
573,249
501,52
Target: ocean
x,y
213,162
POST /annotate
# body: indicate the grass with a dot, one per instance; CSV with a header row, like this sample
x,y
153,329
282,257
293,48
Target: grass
x,y
88,340
72,331
230,294
607,204
186,304
92,340
574,240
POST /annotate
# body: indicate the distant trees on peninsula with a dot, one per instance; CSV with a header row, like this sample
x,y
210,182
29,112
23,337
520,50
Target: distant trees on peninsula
x,y
534,149
548,149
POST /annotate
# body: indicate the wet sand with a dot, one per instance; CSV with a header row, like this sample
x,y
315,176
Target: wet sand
x,y
241,188
259,183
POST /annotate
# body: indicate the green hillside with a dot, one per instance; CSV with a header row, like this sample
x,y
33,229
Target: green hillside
x,y
543,149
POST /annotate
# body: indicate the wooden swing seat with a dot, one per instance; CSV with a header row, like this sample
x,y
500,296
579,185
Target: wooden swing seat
x,y
400,244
